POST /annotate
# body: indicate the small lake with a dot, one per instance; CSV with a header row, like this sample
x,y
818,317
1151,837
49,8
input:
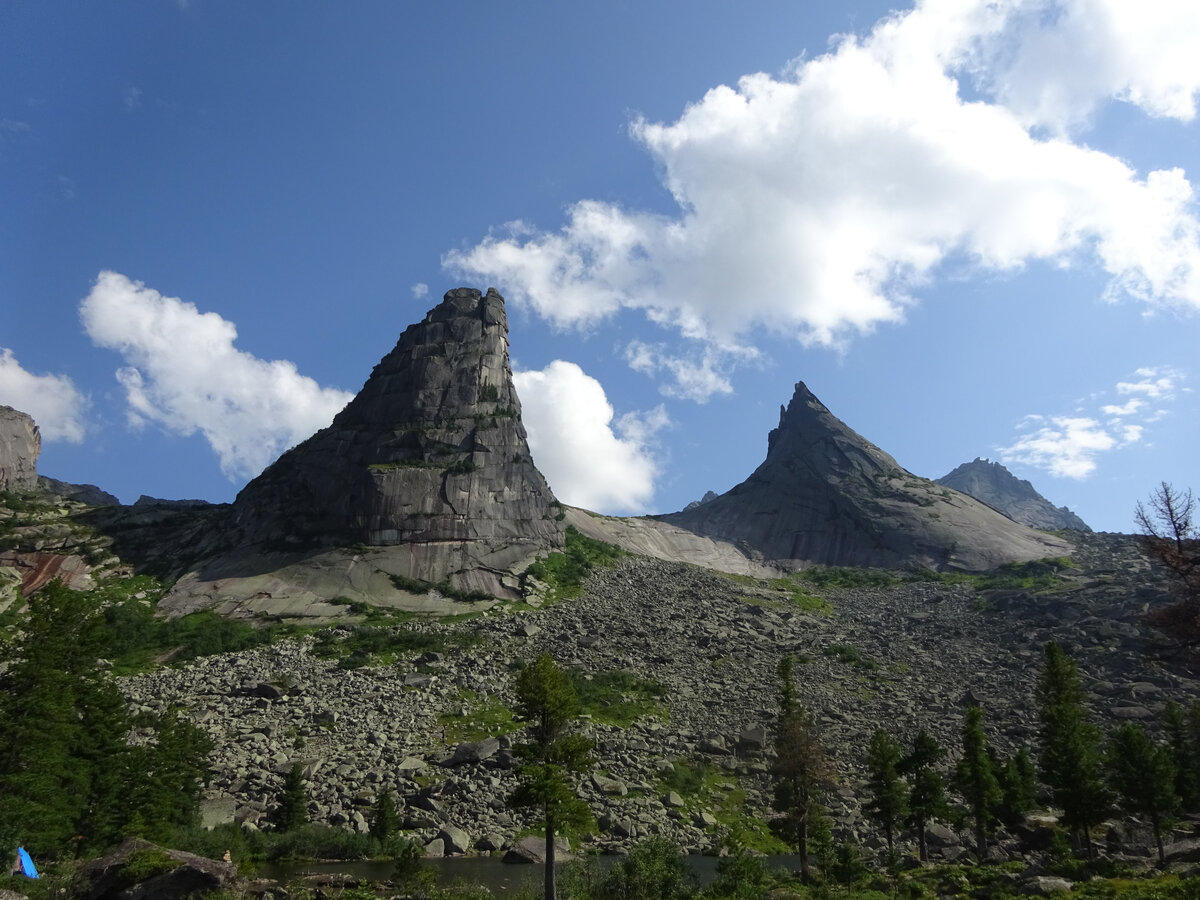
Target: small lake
x,y
498,877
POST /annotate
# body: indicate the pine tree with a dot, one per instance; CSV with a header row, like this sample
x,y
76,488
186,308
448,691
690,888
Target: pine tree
x,y
548,705
927,788
800,769
1143,777
975,778
1070,761
889,798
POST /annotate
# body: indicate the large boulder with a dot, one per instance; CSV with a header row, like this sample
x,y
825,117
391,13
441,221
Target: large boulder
x,y
140,870
20,444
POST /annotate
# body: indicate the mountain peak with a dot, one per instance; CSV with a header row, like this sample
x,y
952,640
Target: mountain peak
x,y
991,483
825,495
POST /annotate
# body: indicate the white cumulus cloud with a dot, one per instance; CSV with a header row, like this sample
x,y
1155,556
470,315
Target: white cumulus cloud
x,y
589,459
1070,446
813,204
184,374
53,401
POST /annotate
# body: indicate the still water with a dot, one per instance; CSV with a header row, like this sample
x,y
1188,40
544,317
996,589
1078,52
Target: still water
x,y
497,876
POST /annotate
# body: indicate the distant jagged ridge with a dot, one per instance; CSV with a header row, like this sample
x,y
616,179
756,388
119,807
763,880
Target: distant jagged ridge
x,y
825,495
991,483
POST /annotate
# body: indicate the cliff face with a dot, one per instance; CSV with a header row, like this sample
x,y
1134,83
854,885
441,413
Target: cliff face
x,y
20,445
825,495
431,449
991,483
426,472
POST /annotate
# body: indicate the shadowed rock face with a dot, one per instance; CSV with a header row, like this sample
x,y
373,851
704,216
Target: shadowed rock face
x,y
20,444
431,452
991,483
824,495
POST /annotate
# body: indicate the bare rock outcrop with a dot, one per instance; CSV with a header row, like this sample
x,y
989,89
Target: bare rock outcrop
x,y
991,483
425,476
825,495
20,444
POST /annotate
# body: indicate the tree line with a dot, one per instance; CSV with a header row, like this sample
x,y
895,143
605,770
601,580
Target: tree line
x,y
1073,768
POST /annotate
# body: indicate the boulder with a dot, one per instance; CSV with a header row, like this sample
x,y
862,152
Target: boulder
x,y
454,839
532,849
167,874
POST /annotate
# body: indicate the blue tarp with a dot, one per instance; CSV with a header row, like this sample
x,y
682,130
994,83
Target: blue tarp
x,y
27,867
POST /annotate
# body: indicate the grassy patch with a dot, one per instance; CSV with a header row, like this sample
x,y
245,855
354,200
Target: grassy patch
x,y
1037,575
366,645
566,570
445,588
851,656
484,719
790,593
619,698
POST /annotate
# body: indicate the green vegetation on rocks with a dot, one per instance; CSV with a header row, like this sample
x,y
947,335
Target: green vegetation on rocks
x,y
564,571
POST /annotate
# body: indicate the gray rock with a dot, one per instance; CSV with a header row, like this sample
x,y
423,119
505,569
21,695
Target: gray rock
x,y
826,495
454,839
20,445
435,849
991,483
532,849
474,751
190,875
1041,885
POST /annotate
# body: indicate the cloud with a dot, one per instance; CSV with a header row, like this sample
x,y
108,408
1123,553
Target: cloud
x,y
1073,54
131,97
589,460
53,401
184,374
420,290
693,380
1069,446
815,204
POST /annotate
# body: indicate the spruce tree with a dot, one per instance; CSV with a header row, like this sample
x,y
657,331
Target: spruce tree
x,y
888,804
975,778
1018,787
927,788
800,769
385,821
1071,763
548,706
1143,778
1184,755
292,811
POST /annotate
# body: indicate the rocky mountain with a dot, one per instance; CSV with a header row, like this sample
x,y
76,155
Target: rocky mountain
x,y
828,496
20,445
991,483
425,475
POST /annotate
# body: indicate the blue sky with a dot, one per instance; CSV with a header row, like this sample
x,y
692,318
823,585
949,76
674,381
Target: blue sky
x,y
969,227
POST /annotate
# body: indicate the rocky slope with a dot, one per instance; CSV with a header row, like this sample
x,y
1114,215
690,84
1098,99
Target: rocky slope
x,y
899,657
826,495
991,483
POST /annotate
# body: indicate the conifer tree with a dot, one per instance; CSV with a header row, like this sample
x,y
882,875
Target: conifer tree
x,y
975,778
385,821
292,811
888,804
1185,756
1143,778
1070,762
548,705
1018,787
927,788
800,769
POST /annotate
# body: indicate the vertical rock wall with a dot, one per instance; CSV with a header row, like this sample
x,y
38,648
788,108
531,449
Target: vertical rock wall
x,y
20,444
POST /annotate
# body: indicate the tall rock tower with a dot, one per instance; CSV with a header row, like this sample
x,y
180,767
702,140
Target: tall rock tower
x,y
20,444
430,456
